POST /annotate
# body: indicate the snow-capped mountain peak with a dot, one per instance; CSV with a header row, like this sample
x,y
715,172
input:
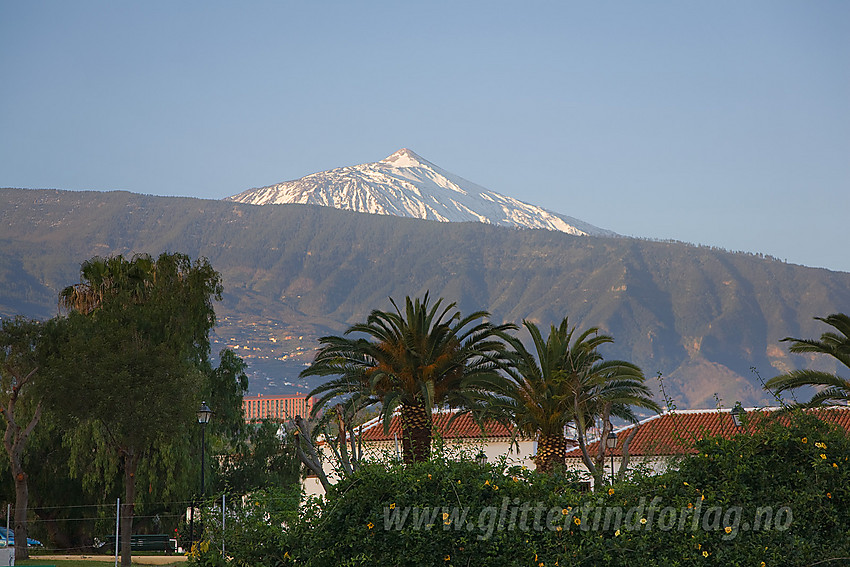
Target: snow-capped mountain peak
x,y
407,185
406,158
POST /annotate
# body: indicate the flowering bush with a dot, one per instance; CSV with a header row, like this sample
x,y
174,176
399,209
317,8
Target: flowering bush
x,y
775,497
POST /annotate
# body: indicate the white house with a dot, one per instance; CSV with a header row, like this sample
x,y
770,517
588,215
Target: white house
x,y
462,435
662,439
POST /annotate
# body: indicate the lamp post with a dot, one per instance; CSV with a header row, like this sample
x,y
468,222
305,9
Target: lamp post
x,y
611,443
481,458
204,415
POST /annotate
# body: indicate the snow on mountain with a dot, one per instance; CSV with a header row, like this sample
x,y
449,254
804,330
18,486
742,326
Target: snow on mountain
x,y
407,185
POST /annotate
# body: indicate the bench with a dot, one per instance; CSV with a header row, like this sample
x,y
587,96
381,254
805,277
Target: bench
x,y
145,542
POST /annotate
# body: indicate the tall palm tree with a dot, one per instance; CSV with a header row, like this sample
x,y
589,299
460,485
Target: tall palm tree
x,y
565,381
832,387
415,359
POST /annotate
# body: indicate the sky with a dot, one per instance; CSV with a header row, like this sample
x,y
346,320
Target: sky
x,y
721,123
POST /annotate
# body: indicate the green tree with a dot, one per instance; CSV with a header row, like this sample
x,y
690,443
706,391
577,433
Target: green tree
x,y
538,398
419,358
130,369
566,380
22,408
265,459
832,387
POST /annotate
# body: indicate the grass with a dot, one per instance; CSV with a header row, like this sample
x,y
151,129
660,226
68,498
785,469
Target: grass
x,y
93,562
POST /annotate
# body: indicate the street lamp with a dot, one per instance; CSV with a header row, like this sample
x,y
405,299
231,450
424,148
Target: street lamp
x,y
204,415
611,443
738,414
481,458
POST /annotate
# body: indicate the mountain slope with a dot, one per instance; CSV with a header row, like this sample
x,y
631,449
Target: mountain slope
x,y
291,273
407,185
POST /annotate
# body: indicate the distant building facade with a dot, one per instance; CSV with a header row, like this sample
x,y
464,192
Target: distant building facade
x,y
276,407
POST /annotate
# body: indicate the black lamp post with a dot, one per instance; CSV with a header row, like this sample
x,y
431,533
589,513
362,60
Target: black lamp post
x,y
481,458
204,415
611,443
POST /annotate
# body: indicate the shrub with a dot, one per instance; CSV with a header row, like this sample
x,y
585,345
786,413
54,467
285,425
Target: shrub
x,y
776,496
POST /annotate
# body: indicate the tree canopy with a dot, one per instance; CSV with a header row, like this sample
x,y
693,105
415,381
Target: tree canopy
x,y
131,364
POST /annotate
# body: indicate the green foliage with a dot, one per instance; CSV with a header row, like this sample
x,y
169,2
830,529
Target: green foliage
x,y
833,389
417,358
776,496
262,460
254,534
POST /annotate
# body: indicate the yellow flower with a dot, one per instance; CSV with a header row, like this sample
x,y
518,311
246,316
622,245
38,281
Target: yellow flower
x,y
445,515
515,479
458,482
686,484
702,497
643,520
495,487
804,440
835,465
822,456
610,492
392,506
577,520
447,558
559,528
370,525
486,483
829,494
728,529
566,511
429,476
763,564
705,554
617,533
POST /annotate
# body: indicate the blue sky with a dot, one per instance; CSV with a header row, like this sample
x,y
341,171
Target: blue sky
x,y
723,123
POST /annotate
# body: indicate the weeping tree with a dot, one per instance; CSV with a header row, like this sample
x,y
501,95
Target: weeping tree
x,y
130,371
21,407
413,359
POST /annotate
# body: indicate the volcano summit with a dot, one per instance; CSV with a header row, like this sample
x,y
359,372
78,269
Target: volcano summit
x,y
406,185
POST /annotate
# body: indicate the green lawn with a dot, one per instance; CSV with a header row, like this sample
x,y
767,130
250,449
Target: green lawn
x,y
94,562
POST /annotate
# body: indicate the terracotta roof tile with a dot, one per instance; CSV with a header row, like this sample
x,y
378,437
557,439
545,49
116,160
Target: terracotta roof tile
x,y
463,427
675,433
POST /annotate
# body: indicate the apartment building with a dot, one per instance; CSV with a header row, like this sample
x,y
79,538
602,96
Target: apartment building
x,y
276,407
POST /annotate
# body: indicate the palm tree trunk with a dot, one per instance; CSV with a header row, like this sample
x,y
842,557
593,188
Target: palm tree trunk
x,y
416,433
551,451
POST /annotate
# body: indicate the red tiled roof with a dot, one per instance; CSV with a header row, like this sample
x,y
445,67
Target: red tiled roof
x,y
675,433
463,427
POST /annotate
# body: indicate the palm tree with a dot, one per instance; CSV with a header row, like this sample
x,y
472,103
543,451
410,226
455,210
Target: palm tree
x,y
566,381
833,388
414,359
102,278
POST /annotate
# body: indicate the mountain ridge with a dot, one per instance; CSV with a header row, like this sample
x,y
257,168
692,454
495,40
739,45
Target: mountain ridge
x,y
702,317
